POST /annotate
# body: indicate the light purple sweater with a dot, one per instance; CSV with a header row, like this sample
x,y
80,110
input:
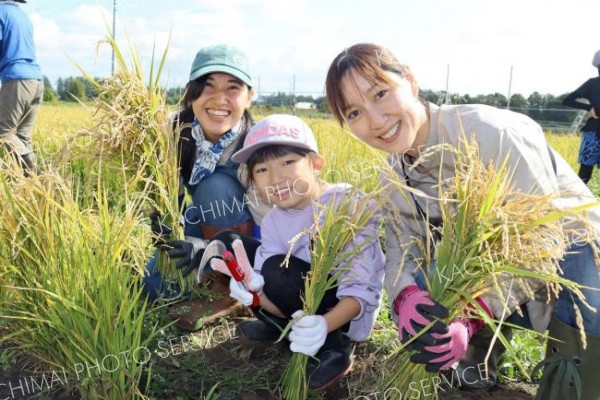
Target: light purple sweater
x,y
362,280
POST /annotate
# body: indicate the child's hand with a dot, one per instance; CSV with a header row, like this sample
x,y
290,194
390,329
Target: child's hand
x,y
308,333
257,282
238,291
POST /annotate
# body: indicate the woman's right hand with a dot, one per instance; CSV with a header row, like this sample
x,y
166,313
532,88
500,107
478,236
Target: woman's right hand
x,y
415,311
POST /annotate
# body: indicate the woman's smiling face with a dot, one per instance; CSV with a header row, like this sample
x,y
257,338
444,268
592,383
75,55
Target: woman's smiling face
x,y
221,105
386,116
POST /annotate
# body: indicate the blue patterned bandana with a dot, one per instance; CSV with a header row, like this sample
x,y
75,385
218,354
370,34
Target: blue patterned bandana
x,y
207,153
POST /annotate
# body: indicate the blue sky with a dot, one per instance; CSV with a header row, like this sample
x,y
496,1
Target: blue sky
x,y
548,43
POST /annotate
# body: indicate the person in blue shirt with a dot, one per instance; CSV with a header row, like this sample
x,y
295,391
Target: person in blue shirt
x,y
22,87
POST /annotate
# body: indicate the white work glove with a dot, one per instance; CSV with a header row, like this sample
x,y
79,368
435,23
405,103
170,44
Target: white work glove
x,y
237,290
308,333
240,293
256,284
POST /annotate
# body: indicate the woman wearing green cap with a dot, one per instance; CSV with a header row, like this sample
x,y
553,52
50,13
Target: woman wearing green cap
x,y
212,125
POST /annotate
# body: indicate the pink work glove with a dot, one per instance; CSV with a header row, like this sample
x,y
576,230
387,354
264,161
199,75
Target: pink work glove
x,y
450,346
415,311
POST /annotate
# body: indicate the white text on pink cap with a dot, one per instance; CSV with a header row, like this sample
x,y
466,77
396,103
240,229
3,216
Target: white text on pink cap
x,y
271,132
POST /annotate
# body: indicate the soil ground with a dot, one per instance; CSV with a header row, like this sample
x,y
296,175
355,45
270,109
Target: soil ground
x,y
243,370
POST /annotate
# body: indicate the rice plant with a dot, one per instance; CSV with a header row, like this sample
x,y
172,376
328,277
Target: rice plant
x,y
70,285
334,245
348,159
493,238
133,133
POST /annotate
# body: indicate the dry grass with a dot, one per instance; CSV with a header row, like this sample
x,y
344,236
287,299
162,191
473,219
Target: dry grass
x,y
69,285
494,239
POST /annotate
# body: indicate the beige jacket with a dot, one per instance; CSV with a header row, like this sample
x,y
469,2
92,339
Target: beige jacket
x,y
499,133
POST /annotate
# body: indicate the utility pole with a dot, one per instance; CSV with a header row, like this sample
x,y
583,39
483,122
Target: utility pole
x,y
509,87
445,97
112,69
294,91
447,78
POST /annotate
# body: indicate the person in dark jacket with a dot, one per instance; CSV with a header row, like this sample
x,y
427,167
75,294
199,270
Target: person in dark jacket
x,y
212,125
589,149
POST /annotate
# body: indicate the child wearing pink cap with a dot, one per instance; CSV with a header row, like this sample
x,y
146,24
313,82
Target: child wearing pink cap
x,y
283,163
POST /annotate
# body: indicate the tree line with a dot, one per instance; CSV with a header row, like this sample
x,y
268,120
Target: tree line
x,y
74,89
545,108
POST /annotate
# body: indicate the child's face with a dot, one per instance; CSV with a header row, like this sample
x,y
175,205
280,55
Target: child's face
x,y
289,181
221,105
385,116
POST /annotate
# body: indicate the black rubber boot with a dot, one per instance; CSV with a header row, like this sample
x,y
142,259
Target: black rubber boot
x,y
473,372
585,173
331,363
28,163
568,365
264,328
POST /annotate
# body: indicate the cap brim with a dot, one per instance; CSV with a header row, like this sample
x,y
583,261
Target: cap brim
x,y
221,68
241,156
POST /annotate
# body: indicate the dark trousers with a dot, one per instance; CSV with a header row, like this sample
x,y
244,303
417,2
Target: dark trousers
x,y
284,285
585,173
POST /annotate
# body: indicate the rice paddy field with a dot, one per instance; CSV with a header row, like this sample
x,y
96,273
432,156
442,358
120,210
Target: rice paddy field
x,y
78,327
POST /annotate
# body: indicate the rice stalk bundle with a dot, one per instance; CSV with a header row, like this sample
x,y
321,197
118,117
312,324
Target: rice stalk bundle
x,y
334,246
493,238
132,131
75,304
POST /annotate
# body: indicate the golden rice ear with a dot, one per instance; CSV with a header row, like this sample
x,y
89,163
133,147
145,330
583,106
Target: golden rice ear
x,y
133,134
495,241
69,283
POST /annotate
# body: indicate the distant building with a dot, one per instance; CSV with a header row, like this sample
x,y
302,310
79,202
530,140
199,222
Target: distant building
x,y
305,105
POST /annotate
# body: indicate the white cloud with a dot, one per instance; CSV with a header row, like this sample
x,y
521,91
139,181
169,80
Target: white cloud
x,y
549,43
72,37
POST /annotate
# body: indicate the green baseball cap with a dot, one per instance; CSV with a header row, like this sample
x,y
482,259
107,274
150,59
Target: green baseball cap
x,y
221,58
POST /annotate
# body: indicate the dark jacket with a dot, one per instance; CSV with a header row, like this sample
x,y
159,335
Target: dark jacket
x,y
590,90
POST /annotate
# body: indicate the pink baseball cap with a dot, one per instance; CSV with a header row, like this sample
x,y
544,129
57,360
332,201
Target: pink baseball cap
x,y
277,129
